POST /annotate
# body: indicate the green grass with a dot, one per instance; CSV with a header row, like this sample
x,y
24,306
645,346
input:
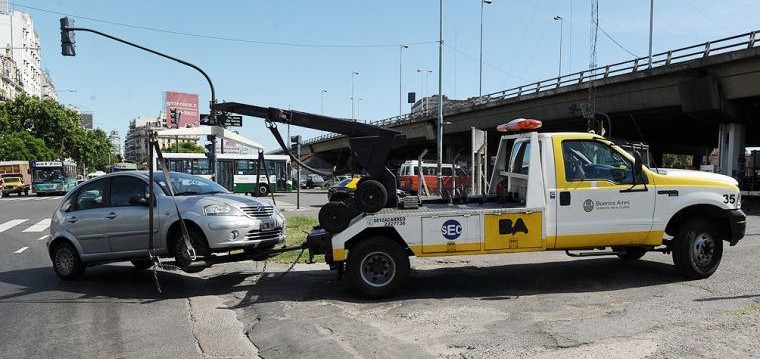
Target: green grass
x,y
747,309
295,234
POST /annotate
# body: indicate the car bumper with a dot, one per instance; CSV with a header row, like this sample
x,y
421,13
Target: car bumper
x,y
737,224
228,233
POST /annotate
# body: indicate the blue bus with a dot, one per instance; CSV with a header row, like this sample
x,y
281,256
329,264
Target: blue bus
x,y
53,177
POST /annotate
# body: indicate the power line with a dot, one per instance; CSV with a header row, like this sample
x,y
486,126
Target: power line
x,y
617,43
484,63
222,38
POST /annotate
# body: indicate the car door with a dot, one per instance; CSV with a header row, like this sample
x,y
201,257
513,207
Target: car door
x,y
597,203
126,220
85,220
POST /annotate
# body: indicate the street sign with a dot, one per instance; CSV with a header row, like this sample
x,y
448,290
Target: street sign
x,y
231,120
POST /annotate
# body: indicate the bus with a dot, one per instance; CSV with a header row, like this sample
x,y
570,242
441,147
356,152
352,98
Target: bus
x,y
409,176
53,177
236,172
123,166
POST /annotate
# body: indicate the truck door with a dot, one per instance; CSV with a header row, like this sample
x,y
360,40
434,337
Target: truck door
x,y
597,204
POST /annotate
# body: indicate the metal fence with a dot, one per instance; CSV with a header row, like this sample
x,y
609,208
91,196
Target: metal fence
x,y
667,58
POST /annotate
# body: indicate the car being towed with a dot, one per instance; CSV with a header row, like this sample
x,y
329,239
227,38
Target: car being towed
x,y
106,220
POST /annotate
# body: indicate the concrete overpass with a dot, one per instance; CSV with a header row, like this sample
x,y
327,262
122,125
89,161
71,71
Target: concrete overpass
x,y
684,103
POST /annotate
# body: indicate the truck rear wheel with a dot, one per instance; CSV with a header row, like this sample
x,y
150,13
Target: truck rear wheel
x,y
377,267
697,249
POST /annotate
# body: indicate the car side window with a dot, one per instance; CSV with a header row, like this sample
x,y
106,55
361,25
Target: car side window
x,y
126,188
595,161
91,195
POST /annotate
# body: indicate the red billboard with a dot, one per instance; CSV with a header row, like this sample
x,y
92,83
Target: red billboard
x,y
186,105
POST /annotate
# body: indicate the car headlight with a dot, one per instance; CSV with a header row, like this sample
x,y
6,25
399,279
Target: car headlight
x,y
221,210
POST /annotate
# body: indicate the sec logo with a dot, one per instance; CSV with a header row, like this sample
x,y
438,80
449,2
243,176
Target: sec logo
x,y
451,229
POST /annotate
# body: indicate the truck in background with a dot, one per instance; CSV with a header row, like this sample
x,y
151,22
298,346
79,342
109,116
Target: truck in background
x,y
14,169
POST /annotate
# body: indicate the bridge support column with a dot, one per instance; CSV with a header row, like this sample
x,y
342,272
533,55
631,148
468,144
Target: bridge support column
x,y
730,147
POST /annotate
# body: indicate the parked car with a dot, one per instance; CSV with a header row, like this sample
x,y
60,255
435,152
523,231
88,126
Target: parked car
x,y
106,220
13,183
312,181
342,189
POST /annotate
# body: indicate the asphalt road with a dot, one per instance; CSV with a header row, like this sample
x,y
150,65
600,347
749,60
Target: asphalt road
x,y
537,305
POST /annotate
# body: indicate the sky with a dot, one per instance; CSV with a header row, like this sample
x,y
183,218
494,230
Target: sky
x,y
285,53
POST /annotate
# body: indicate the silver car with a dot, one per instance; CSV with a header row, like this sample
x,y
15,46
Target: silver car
x,y
106,220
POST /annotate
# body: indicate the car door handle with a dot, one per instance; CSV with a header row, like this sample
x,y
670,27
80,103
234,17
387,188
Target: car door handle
x,y
111,215
71,219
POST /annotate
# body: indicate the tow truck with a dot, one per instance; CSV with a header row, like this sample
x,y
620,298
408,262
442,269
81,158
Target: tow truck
x,y
573,192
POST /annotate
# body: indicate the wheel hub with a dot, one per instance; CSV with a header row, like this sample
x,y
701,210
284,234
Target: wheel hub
x,y
64,260
377,269
703,249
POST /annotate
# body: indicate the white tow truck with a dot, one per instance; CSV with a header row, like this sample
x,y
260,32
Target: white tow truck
x,y
576,192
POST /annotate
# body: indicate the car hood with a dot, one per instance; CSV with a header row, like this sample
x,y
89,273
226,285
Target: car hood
x,y
687,176
235,200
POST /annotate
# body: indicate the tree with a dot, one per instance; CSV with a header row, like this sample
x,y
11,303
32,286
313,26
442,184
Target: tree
x,y
22,146
184,147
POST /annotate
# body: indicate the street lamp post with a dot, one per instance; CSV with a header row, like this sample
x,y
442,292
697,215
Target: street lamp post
x,y
424,79
482,5
353,95
651,27
400,76
322,102
559,72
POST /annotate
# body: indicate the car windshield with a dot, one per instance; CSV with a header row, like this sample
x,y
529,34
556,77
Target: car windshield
x,y
188,185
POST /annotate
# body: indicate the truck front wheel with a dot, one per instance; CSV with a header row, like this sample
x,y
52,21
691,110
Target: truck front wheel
x,y
377,267
697,249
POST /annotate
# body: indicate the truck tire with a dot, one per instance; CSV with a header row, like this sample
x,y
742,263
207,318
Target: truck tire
x,y
697,249
371,196
334,216
377,267
630,253
66,262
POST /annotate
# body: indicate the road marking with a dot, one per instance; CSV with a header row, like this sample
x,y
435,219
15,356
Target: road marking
x,y
10,224
43,237
39,226
21,250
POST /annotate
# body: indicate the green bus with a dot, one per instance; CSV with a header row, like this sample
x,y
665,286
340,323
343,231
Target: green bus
x,y
53,177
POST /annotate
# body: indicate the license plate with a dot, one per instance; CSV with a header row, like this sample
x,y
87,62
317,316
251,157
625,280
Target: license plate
x,y
267,225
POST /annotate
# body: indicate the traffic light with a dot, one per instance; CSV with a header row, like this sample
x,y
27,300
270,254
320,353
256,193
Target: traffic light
x,y
295,142
173,116
67,37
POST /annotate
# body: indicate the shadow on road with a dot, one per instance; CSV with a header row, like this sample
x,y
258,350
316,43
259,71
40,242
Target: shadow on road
x,y
485,283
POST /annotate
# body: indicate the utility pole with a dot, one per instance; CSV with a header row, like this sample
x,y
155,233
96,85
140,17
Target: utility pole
x,y
440,100
559,72
651,27
322,102
482,5
400,78
353,96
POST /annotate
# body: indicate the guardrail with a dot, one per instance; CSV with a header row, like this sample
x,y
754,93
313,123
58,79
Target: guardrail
x,y
667,58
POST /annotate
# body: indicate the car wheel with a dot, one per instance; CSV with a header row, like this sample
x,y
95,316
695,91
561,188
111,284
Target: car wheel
x,y
697,249
262,190
377,267
334,216
630,253
181,257
142,264
66,261
371,196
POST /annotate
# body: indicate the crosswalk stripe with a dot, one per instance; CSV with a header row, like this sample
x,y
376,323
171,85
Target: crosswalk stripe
x,y
21,250
39,226
10,224
43,237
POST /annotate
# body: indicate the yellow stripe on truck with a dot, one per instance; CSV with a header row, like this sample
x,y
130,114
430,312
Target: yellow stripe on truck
x,y
339,254
579,241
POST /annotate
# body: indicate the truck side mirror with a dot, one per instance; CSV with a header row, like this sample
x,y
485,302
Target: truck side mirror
x,y
638,167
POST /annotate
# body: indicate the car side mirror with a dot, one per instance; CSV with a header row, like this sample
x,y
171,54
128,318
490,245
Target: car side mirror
x,y
138,200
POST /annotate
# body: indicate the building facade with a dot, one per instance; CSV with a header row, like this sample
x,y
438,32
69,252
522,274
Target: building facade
x,y
136,142
10,77
19,39
115,140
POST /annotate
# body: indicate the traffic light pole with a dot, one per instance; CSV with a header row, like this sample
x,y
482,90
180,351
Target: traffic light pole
x,y
67,49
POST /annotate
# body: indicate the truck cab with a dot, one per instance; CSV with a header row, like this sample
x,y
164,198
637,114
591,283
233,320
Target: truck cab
x,y
576,192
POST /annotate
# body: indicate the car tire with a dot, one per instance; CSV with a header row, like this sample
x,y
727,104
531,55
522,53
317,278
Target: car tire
x,y
697,249
377,267
371,196
181,258
66,262
262,190
630,253
142,264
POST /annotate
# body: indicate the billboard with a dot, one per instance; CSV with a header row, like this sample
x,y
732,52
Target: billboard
x,y
187,108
